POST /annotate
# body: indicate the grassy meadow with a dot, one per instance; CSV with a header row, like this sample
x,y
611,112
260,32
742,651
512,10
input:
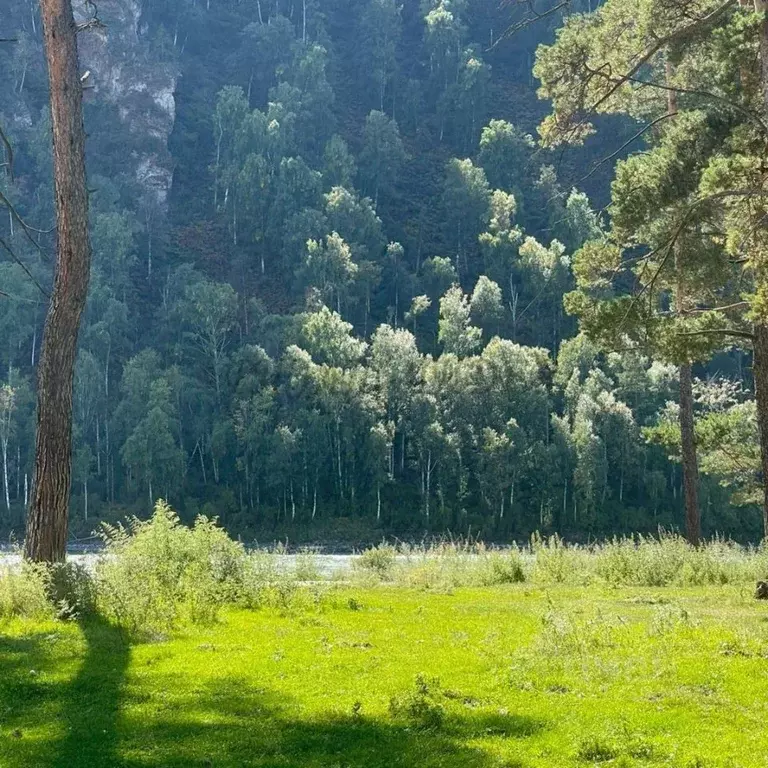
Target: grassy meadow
x,y
621,656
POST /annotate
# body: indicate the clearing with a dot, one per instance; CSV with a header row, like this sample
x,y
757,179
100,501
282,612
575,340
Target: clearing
x,y
508,676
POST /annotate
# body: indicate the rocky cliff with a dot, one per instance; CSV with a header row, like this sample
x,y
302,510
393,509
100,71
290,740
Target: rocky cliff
x,y
123,72
125,75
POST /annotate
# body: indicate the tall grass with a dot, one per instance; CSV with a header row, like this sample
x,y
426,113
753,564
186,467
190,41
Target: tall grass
x,y
25,592
670,561
644,561
445,565
157,574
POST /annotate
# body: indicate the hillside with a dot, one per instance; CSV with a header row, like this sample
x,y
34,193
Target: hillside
x,y
329,267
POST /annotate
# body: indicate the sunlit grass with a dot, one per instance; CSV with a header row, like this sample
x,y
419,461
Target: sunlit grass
x,y
523,675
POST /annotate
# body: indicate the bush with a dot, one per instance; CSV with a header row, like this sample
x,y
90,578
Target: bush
x,y
504,568
25,592
73,589
259,573
670,560
419,707
558,563
565,633
379,561
158,571
307,568
449,565
265,585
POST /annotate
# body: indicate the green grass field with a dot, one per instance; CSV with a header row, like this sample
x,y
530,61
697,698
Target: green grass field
x,y
518,675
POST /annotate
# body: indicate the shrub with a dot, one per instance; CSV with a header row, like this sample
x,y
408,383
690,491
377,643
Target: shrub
x,y
444,566
670,560
73,589
158,571
274,594
668,618
264,584
565,633
259,573
379,561
419,707
594,750
307,568
24,591
558,563
504,568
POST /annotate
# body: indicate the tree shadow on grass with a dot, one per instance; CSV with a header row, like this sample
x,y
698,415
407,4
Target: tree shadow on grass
x,y
227,723
24,688
93,699
232,723
50,722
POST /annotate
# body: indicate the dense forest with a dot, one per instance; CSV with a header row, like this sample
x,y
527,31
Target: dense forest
x,y
347,281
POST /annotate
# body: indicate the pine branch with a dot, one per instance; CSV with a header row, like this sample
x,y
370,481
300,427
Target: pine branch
x,y
28,229
12,297
668,246
690,92
643,59
719,332
726,308
629,141
735,459
532,17
661,43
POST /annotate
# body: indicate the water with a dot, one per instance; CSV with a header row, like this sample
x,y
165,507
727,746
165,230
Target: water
x,y
327,565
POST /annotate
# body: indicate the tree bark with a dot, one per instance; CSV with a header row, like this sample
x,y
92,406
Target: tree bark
x,y
760,361
49,508
687,429
688,452
761,6
760,371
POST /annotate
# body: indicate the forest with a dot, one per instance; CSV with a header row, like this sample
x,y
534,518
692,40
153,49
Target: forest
x,y
368,267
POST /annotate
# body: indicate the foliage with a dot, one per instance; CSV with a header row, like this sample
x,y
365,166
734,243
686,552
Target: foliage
x,y
343,171
378,560
156,572
25,592
420,707
73,591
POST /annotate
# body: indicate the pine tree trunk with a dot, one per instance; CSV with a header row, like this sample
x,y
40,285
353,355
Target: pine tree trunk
x,y
760,363
760,371
47,520
761,6
690,464
687,432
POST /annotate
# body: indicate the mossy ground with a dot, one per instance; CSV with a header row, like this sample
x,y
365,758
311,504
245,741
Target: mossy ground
x,y
528,676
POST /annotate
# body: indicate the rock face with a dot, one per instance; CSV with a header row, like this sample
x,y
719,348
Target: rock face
x,y
123,72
